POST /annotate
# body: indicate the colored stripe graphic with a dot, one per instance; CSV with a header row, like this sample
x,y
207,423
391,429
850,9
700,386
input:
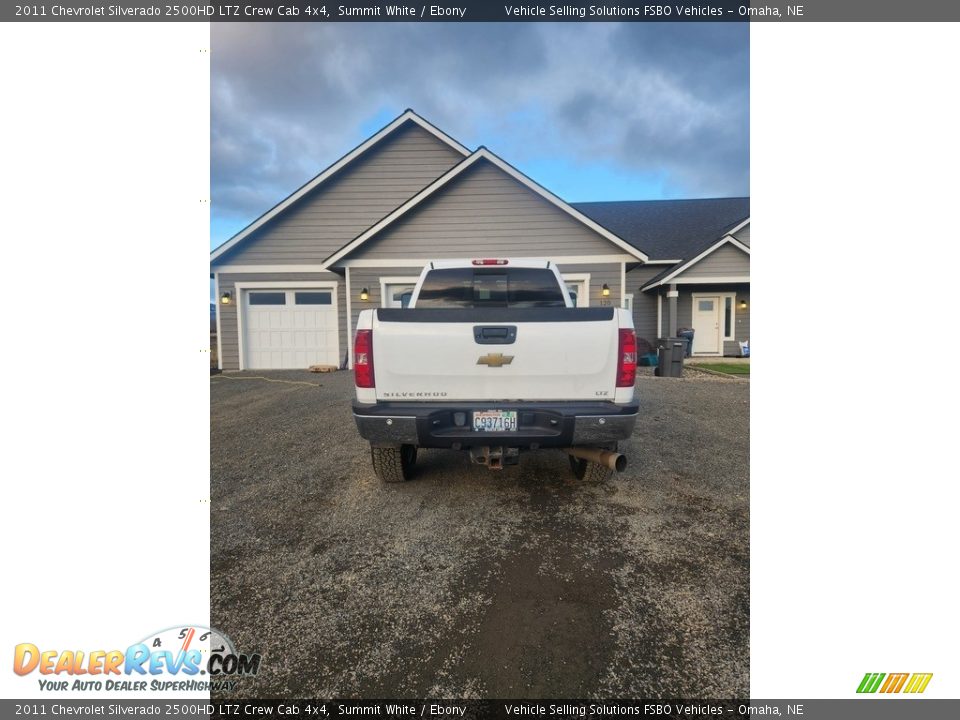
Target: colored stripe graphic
x,y
918,682
870,682
894,682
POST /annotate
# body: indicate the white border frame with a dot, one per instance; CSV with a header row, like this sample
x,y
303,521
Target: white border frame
x,y
240,289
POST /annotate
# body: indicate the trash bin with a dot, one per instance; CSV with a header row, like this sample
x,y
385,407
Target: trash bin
x,y
671,353
687,334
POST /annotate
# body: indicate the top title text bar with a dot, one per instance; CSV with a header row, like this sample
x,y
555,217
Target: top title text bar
x,y
484,11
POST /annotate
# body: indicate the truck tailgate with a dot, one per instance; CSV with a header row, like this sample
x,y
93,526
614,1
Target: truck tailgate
x,y
496,354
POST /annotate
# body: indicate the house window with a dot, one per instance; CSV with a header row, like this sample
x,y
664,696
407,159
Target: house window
x,y
578,288
401,296
729,317
396,292
268,298
313,298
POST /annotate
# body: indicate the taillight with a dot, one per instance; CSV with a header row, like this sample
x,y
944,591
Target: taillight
x,y
490,261
626,359
363,359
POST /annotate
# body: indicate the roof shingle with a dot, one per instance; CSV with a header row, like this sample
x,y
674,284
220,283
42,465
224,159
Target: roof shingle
x,y
669,229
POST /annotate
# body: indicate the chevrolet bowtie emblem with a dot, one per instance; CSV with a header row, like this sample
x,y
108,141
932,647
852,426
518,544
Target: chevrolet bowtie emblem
x,y
495,360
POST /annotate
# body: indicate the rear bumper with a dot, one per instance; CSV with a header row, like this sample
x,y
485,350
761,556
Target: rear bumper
x,y
541,424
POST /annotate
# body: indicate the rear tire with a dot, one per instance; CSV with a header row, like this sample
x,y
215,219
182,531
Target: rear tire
x,y
589,471
393,464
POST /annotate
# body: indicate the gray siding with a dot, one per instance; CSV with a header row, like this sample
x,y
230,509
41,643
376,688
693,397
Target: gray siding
x,y
644,304
743,235
229,343
370,278
485,211
600,273
727,261
350,201
741,316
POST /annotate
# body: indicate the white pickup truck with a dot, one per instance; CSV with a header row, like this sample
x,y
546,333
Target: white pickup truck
x,y
492,357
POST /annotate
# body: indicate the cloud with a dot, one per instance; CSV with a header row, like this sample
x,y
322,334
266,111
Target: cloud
x,y
661,100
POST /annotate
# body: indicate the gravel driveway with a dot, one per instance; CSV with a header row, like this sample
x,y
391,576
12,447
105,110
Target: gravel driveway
x,y
470,583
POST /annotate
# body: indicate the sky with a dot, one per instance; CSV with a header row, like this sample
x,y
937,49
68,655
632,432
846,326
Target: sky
x,y
591,111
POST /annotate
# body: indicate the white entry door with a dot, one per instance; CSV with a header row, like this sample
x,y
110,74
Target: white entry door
x,y
290,329
707,338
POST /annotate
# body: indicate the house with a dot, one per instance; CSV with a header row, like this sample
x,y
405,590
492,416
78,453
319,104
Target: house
x,y
290,285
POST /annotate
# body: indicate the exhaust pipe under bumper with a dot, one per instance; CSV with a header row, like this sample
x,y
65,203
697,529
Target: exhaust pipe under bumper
x,y
607,458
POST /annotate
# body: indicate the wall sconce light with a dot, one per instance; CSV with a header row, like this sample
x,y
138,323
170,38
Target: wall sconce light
x,y
743,304
364,294
226,298
605,291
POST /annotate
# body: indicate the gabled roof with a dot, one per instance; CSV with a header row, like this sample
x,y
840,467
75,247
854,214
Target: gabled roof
x,y
671,272
482,154
407,116
669,229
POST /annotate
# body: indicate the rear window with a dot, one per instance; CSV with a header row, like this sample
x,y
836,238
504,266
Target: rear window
x,y
490,287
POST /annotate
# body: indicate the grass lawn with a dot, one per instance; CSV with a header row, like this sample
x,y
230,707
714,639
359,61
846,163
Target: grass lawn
x,y
728,368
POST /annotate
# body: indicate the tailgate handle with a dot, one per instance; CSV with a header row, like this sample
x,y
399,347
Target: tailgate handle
x,y
495,334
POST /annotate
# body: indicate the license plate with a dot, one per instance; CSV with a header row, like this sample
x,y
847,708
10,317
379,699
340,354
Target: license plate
x,y
495,421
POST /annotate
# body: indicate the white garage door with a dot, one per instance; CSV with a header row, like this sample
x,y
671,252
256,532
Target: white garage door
x,y
290,329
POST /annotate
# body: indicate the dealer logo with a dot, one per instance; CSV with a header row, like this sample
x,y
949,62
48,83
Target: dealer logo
x,y
183,657
894,683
